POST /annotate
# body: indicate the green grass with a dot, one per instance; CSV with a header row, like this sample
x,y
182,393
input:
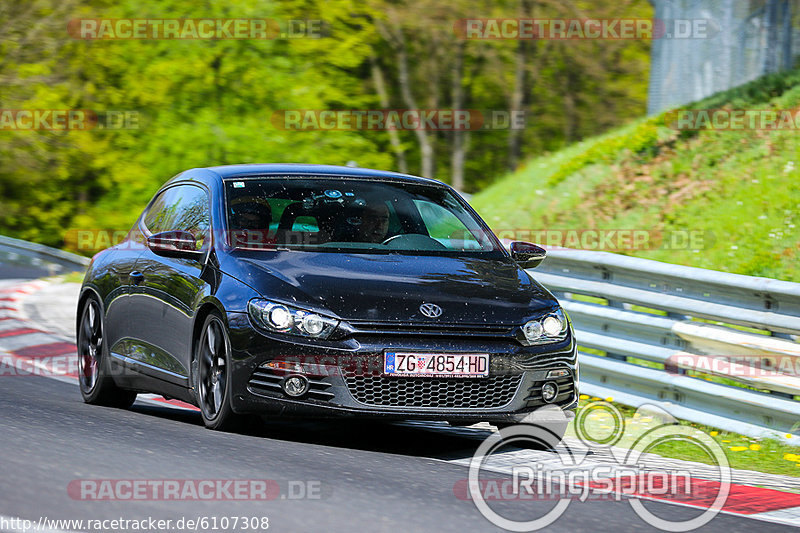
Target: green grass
x,y
746,453
645,363
724,200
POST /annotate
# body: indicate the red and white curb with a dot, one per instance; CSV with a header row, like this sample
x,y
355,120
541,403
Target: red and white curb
x,y
27,350
752,494
755,495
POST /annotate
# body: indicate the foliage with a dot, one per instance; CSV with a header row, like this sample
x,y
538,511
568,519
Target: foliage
x,y
208,102
735,190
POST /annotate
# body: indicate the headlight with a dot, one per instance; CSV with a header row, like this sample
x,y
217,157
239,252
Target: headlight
x,y
278,316
283,318
532,330
551,327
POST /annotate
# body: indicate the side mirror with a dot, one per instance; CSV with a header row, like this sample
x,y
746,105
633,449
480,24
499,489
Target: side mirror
x,y
174,244
526,254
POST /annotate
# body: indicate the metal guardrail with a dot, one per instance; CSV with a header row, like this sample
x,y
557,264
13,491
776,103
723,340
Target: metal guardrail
x,y
667,334
41,256
659,313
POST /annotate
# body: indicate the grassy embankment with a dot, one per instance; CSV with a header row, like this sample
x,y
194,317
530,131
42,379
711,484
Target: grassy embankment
x,y
736,192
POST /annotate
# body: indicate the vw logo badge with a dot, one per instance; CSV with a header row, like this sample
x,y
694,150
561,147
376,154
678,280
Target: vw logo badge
x,y
430,310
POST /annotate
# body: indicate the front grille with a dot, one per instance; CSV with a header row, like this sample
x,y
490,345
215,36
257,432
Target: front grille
x,y
442,393
267,382
471,330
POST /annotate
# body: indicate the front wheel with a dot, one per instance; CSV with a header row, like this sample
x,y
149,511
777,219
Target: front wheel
x,y
212,377
97,386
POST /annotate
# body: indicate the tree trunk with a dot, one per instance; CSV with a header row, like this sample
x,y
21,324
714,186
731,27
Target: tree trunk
x,y
459,148
383,96
520,92
427,155
571,117
772,48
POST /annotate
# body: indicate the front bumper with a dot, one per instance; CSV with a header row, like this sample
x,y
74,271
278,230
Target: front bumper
x,y
346,378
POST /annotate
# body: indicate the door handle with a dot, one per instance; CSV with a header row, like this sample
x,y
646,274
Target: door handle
x,y
136,277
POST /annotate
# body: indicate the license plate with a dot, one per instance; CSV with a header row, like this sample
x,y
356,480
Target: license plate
x,y
464,365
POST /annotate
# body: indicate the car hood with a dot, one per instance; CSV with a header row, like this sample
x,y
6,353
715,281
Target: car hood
x,y
391,288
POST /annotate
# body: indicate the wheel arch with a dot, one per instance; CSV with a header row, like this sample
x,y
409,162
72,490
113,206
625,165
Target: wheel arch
x,y
86,293
207,306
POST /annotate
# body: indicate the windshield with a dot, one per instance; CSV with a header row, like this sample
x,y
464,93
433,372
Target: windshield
x,y
349,214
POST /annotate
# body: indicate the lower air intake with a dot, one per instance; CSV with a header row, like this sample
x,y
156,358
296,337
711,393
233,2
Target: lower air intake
x,y
442,393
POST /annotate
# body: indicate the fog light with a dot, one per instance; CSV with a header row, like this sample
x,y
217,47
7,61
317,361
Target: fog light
x,y
549,392
295,386
532,330
552,325
280,317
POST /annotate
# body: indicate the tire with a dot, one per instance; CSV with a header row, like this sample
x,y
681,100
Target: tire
x,y
211,376
94,377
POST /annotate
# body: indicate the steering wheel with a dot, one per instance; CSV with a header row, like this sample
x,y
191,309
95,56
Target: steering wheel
x,y
414,241
390,239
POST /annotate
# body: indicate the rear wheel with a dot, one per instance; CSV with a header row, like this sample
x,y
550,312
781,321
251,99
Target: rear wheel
x,y
212,377
97,386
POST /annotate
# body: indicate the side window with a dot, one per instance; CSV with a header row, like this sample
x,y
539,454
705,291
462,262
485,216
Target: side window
x,y
157,215
183,208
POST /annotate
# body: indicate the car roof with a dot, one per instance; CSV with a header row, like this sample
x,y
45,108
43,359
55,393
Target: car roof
x,y
295,169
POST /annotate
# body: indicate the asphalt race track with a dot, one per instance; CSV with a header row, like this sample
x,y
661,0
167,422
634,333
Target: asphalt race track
x,y
332,476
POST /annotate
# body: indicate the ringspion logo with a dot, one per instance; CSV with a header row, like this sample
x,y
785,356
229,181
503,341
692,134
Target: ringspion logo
x,y
566,473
